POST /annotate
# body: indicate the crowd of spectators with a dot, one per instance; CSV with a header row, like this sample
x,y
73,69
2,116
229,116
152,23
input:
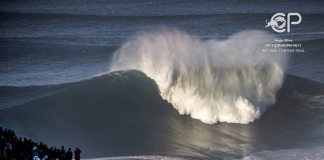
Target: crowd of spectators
x,y
24,149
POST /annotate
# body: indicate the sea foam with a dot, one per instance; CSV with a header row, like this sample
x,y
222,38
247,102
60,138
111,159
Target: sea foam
x,y
227,81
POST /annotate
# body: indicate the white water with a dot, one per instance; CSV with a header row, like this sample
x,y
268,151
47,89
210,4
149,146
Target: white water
x,y
289,154
228,81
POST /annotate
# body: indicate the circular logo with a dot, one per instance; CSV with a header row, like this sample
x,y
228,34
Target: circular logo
x,y
281,22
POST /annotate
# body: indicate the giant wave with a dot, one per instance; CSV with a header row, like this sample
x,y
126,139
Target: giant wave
x,y
122,113
228,81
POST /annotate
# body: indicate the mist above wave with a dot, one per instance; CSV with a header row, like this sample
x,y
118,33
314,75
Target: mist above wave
x,y
228,81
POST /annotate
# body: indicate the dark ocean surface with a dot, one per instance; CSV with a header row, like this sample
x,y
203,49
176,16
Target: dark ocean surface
x,y
65,77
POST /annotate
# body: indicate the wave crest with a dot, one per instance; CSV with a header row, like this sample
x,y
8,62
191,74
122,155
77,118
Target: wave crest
x,y
228,81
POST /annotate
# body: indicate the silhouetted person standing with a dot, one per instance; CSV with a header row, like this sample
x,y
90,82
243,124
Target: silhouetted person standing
x,y
1,132
9,150
69,154
19,149
58,154
52,153
45,150
35,150
5,134
77,154
62,154
27,149
3,146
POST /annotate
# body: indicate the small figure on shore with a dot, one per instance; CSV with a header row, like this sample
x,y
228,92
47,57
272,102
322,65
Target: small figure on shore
x,y
52,153
58,154
63,149
45,150
14,141
62,154
5,134
1,132
69,154
37,158
19,149
2,146
9,150
40,153
11,134
27,149
35,150
77,154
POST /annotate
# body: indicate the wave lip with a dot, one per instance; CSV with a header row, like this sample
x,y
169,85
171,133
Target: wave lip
x,y
227,81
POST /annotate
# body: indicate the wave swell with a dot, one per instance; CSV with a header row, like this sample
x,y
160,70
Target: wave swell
x,y
227,81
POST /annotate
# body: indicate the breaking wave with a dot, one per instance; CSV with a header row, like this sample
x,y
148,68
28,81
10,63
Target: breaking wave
x,y
227,81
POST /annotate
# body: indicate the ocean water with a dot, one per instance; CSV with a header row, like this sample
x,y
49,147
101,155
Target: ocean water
x,y
163,79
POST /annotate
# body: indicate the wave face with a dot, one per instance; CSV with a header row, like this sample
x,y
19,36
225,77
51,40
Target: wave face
x,y
122,114
228,81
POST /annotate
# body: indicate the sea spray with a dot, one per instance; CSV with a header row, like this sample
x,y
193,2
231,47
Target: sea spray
x,y
228,81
